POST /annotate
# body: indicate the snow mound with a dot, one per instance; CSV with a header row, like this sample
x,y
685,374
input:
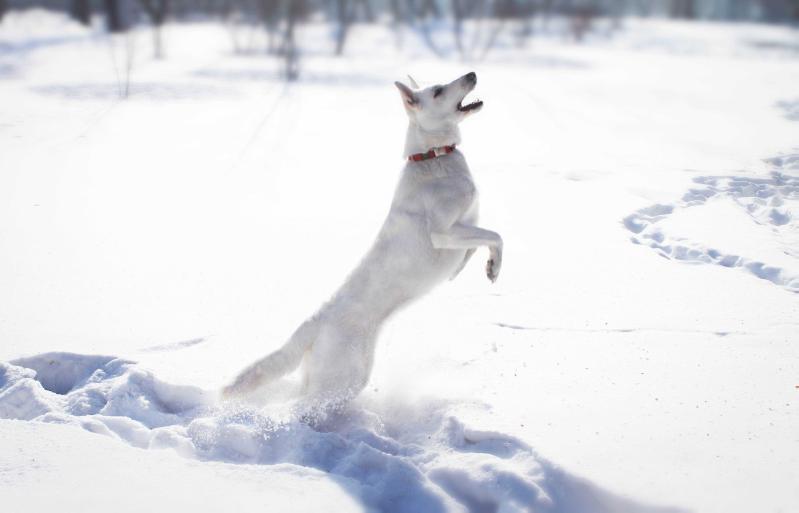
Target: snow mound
x,y
62,372
771,203
393,458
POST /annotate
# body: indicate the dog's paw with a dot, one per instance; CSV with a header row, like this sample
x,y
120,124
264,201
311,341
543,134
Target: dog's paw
x,y
492,269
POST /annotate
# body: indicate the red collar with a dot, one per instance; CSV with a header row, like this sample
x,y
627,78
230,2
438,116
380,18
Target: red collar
x,y
432,153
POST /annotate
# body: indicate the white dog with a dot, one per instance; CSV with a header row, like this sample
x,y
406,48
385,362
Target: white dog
x,y
428,236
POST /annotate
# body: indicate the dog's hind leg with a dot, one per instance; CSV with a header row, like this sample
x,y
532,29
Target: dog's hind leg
x,y
276,364
339,366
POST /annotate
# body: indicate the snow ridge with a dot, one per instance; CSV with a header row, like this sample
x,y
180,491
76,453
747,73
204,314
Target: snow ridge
x,y
401,459
769,201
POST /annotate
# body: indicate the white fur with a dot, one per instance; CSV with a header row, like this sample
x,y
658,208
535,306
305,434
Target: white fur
x,y
429,235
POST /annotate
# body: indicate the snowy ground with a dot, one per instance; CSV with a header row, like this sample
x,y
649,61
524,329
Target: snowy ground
x,y
639,348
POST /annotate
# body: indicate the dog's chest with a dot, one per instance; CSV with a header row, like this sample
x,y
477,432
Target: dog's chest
x,y
445,186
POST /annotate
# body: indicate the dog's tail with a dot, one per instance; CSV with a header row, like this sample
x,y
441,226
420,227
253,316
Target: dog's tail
x,y
276,364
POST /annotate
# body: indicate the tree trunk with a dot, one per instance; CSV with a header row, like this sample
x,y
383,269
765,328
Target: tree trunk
x,y
685,9
3,8
526,29
368,12
157,10
158,43
113,17
396,11
344,20
81,11
419,15
296,10
429,8
457,26
269,13
397,20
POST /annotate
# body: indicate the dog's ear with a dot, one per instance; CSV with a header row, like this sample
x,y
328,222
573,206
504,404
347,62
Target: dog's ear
x,y
413,82
410,99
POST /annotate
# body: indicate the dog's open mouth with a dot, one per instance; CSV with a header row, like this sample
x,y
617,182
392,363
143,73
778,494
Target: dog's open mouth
x,y
470,106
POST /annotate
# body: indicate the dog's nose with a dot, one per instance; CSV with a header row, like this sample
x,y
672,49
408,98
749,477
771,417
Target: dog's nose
x,y
471,77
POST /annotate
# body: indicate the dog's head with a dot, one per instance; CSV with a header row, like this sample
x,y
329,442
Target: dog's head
x,y
440,107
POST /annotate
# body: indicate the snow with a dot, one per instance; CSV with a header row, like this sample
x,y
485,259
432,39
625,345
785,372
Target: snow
x,y
722,223
406,458
639,347
53,467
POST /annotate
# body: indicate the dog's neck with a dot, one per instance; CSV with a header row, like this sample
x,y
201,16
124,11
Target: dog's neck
x,y
419,140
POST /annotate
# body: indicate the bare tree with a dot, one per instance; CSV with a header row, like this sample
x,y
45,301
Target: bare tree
x,y
123,64
81,11
547,8
581,20
644,7
245,19
527,15
295,10
366,10
113,16
503,11
776,10
156,10
398,19
489,19
421,14
461,11
683,9
346,14
343,19
119,36
269,12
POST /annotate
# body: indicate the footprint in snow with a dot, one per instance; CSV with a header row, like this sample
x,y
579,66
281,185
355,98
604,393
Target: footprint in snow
x,y
771,202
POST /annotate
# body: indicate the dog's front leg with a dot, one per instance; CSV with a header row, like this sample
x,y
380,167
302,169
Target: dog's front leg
x,y
460,236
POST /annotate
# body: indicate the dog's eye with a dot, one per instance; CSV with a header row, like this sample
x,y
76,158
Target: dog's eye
x,y
437,91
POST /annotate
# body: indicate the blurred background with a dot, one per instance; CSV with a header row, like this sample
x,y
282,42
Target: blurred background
x,y
451,29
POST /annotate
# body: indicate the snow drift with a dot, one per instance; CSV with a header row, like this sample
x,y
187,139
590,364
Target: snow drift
x,y
394,459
